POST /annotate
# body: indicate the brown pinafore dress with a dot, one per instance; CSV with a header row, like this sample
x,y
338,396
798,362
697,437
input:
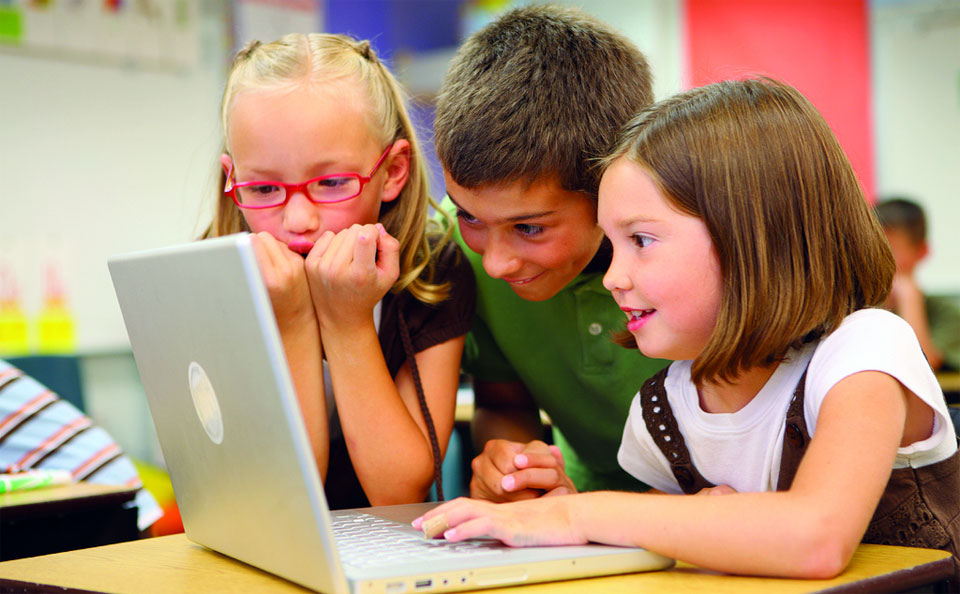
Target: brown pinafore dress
x,y
920,507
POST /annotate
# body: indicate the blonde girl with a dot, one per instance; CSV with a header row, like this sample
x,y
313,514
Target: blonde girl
x,y
321,163
745,252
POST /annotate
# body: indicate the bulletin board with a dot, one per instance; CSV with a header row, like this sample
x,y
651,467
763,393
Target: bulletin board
x,y
144,33
266,20
109,113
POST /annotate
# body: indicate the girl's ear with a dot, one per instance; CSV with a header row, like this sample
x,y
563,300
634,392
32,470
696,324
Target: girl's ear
x,y
226,162
397,166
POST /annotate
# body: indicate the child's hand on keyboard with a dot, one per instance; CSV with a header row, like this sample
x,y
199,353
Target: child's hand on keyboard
x,y
544,521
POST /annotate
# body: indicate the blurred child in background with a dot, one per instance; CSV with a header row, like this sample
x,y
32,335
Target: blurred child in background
x,y
936,320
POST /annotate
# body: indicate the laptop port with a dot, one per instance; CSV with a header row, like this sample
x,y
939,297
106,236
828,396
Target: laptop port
x,y
423,584
396,587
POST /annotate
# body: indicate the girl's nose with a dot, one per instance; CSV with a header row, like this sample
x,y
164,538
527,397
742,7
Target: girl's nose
x,y
300,215
614,278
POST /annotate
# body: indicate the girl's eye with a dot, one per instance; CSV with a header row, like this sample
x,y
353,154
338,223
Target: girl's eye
x,y
263,189
642,241
529,230
467,217
333,182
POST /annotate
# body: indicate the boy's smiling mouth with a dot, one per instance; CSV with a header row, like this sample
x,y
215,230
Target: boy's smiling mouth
x,y
523,281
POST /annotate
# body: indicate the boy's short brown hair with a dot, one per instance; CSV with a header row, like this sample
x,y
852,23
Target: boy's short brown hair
x,y
541,91
799,249
903,214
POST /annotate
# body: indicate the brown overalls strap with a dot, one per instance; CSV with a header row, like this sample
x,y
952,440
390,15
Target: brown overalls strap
x,y
920,507
662,426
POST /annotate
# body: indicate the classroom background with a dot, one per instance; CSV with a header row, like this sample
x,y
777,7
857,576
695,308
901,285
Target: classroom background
x,y
109,128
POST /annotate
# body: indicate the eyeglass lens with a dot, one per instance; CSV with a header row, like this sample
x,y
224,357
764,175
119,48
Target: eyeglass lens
x,y
324,189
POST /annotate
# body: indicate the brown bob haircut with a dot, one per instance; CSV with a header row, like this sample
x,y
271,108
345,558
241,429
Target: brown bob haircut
x,y
799,248
541,91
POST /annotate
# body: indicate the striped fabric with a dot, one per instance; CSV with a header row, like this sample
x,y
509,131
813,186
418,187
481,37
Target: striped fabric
x,y
40,430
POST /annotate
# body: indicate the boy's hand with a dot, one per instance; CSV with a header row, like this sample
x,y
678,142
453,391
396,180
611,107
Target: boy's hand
x,y
546,521
350,271
905,294
513,471
286,281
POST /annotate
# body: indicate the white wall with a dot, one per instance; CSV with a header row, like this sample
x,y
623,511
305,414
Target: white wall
x,y
98,158
655,26
916,62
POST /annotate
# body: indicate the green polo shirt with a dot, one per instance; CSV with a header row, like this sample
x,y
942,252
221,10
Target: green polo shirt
x,y
560,349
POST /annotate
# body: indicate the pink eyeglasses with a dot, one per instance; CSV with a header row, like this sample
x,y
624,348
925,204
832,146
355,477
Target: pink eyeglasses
x,y
326,189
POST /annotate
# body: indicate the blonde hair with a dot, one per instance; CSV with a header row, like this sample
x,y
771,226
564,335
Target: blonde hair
x,y
799,248
322,57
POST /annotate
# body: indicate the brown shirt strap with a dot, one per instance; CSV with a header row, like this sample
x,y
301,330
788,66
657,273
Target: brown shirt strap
x,y
795,437
662,426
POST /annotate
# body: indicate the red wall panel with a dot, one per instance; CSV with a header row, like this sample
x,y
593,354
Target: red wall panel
x,y
819,46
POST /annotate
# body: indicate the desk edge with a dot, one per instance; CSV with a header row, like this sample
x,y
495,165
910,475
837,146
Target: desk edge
x,y
899,580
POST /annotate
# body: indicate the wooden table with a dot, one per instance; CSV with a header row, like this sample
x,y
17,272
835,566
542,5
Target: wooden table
x,y
55,519
174,564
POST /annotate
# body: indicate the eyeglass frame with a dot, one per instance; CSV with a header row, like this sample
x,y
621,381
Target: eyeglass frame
x,y
230,189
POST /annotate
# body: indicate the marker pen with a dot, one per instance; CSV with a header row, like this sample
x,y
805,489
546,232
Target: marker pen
x,y
33,479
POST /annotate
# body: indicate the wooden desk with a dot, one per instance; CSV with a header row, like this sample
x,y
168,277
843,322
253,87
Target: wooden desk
x,y
174,564
55,519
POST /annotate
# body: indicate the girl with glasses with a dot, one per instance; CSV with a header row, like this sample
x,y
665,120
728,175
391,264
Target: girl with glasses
x,y
321,163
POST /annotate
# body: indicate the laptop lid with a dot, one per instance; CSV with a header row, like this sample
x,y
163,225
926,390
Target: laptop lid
x,y
210,358
214,371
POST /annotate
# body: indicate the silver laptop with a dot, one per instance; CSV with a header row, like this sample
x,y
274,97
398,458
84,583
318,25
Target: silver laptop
x,y
216,378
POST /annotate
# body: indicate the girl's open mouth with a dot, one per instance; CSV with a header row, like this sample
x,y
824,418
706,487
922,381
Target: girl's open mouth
x,y
638,318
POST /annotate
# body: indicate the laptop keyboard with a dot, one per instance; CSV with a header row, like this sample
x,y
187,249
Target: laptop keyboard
x,y
365,540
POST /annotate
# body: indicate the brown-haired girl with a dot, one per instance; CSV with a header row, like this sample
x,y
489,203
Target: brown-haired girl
x,y
744,251
321,162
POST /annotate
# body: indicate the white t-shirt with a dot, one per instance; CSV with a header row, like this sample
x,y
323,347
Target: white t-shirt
x,y
743,449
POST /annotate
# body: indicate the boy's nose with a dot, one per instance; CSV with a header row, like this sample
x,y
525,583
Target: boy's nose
x,y
499,260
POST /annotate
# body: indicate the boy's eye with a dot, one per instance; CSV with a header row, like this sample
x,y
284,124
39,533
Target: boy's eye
x,y
466,216
642,241
529,230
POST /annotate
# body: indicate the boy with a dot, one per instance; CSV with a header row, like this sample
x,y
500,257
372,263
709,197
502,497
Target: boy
x,y
935,321
527,106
